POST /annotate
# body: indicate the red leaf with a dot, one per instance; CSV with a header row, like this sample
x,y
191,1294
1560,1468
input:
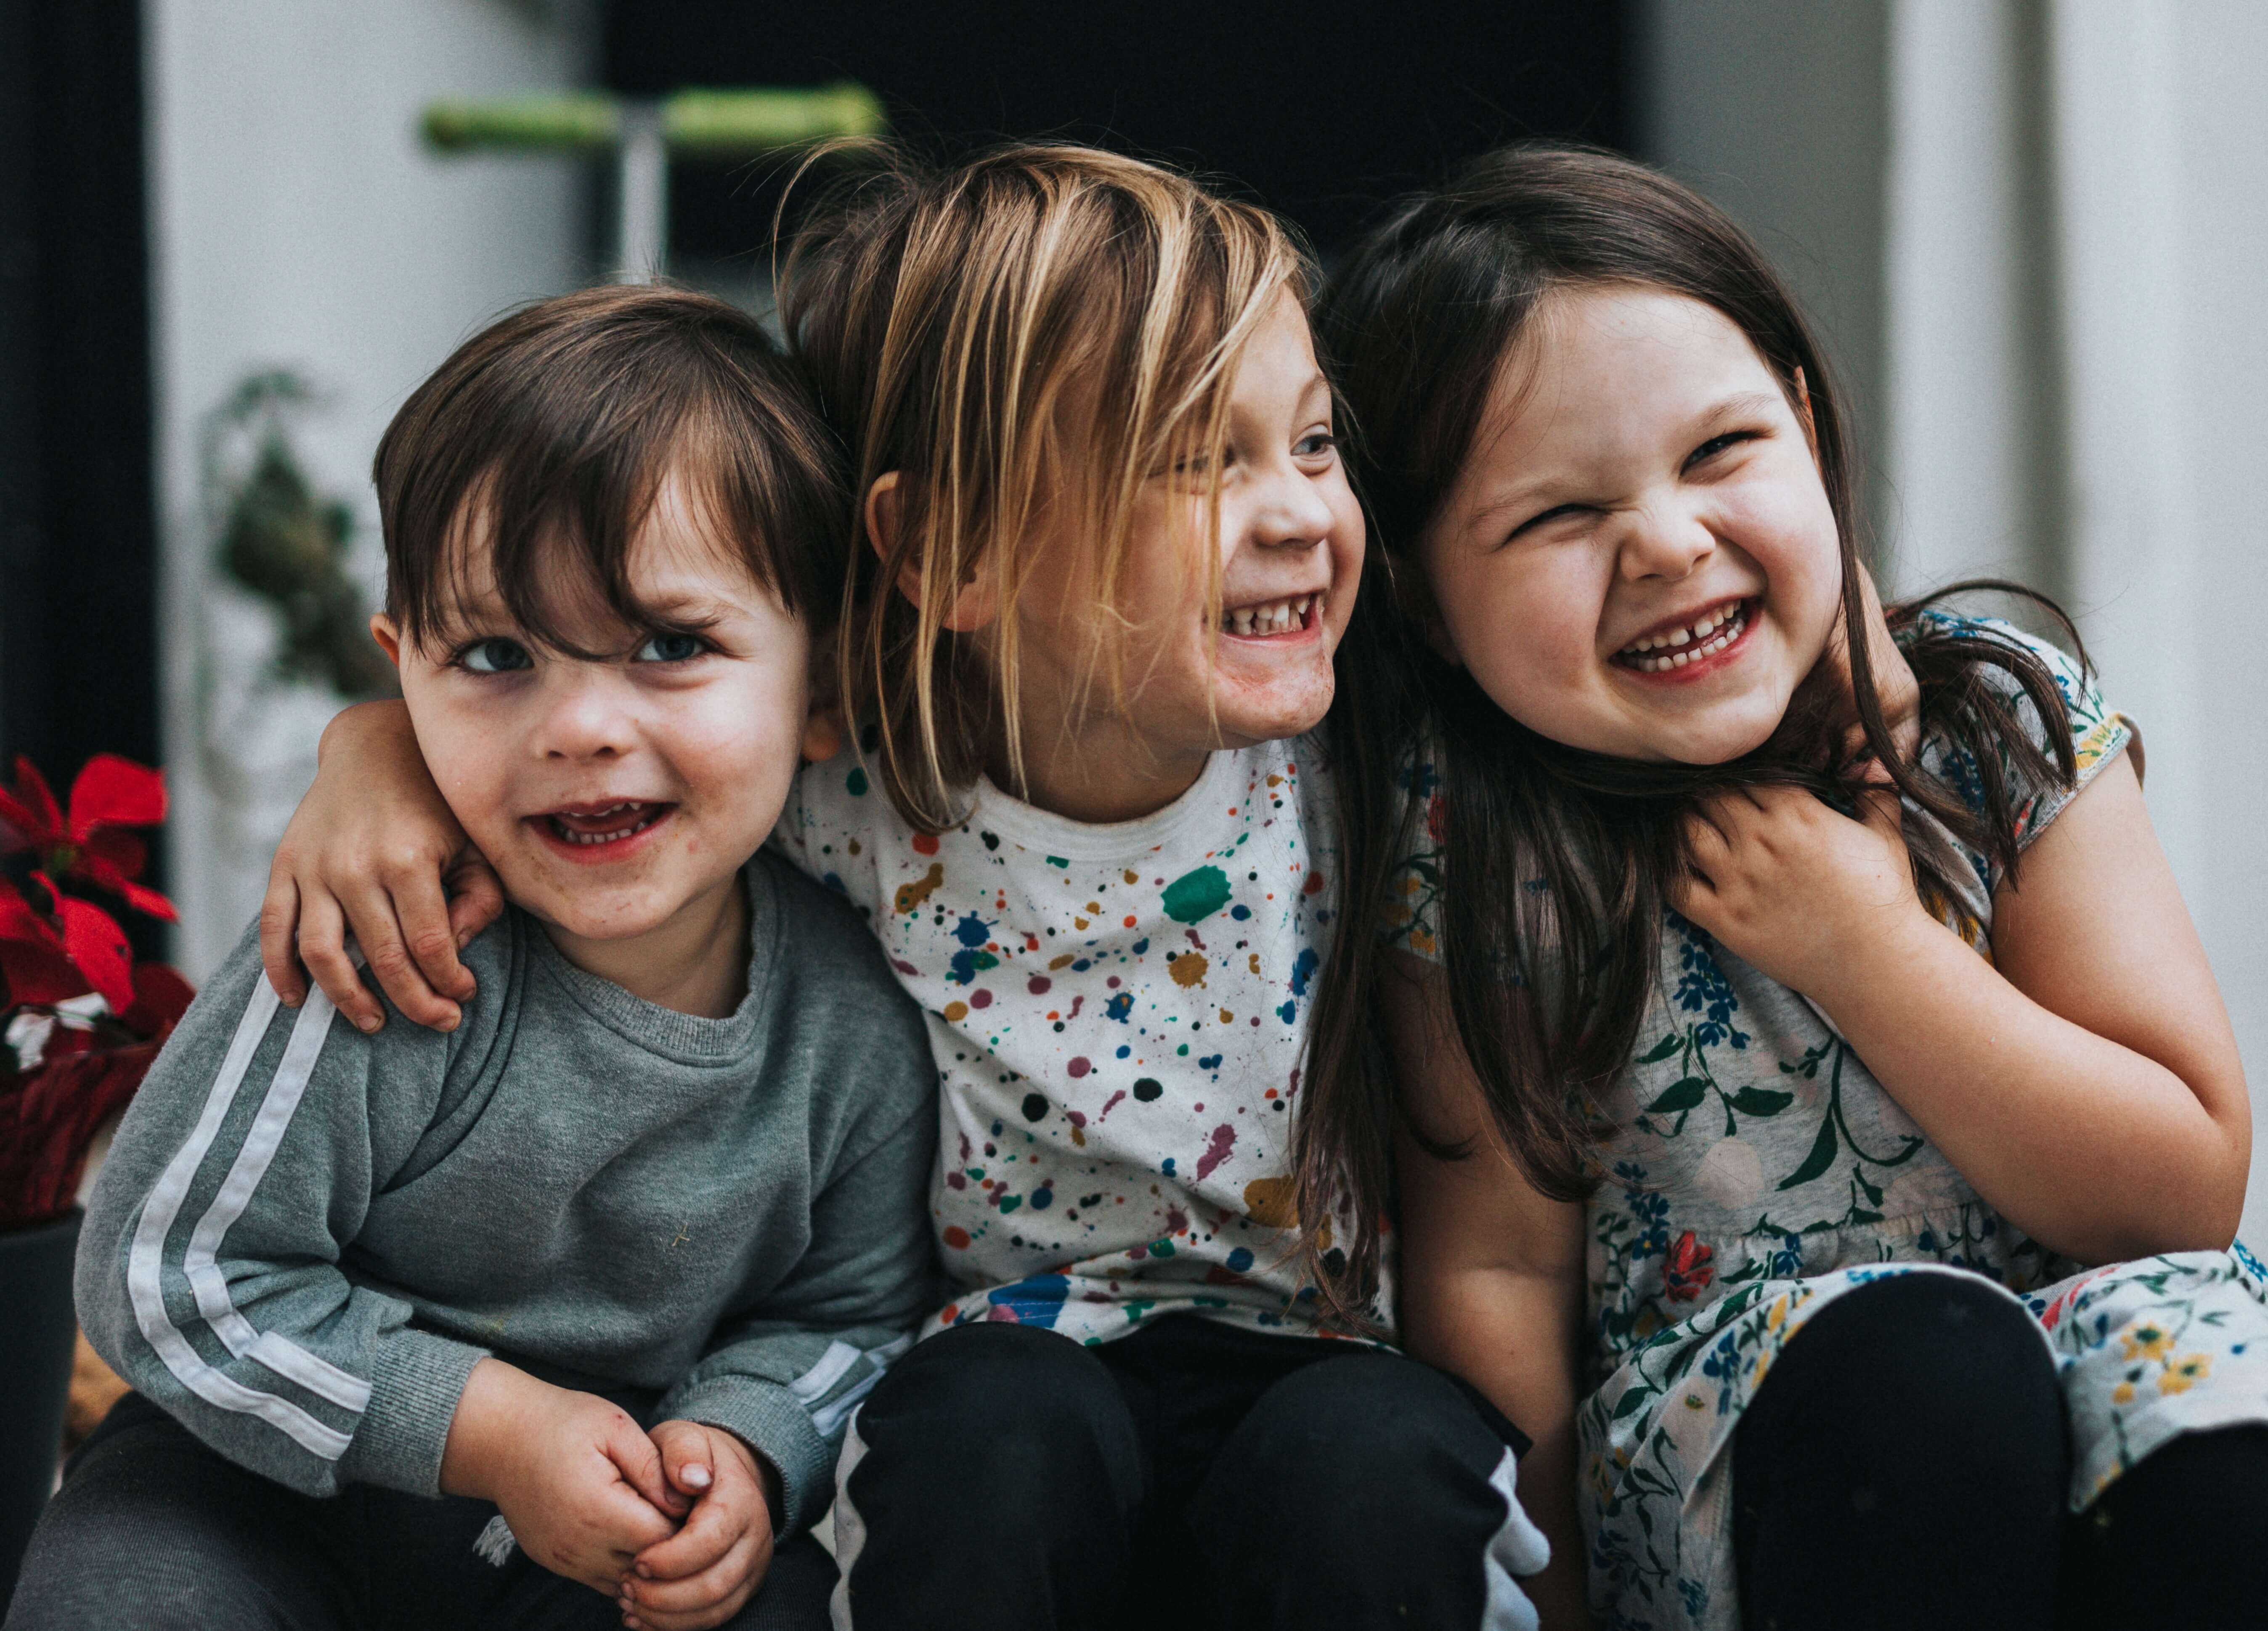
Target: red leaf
x,y
19,827
48,1120
36,972
18,920
97,945
150,902
97,870
32,812
111,791
116,848
161,996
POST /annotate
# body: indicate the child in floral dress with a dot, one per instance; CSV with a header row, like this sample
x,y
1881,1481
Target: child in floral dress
x,y
1770,966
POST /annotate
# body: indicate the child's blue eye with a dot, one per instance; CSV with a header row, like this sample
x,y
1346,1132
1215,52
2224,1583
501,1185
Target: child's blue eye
x,y
495,657
670,648
1316,446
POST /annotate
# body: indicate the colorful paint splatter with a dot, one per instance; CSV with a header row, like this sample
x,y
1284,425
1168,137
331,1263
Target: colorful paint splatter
x,y
1758,1172
1117,1014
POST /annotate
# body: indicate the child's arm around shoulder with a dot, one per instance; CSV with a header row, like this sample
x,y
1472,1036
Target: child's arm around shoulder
x,y
1491,1271
373,849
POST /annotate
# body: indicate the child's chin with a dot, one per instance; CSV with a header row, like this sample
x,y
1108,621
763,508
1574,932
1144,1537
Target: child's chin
x,y
602,919
1290,706
1717,747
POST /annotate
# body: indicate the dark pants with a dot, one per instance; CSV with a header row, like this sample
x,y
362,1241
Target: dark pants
x,y
153,1530
1906,1464
1191,1474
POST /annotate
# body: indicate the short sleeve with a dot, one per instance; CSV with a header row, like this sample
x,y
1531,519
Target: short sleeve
x,y
833,826
2098,732
1410,919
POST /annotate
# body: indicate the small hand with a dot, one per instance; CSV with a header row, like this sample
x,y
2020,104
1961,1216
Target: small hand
x,y
1797,891
700,1575
581,1486
374,848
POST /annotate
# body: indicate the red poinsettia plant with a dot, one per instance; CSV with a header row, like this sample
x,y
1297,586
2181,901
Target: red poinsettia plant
x,y
80,1020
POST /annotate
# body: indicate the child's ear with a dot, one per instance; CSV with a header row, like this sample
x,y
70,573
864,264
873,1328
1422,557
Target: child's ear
x,y
972,607
389,638
1803,412
824,726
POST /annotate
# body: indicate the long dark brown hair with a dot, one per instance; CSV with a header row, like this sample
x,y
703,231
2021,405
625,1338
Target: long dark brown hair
x,y
1555,863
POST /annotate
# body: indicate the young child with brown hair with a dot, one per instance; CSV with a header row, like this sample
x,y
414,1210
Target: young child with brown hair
x,y
556,1319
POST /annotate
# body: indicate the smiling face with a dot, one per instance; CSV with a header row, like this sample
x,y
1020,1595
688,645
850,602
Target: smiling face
x,y
1638,557
1289,543
619,794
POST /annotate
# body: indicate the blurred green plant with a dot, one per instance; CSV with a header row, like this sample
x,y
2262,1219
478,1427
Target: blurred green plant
x,y
287,543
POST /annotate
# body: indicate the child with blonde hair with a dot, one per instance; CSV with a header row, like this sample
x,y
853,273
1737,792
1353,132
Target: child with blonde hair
x,y
1106,552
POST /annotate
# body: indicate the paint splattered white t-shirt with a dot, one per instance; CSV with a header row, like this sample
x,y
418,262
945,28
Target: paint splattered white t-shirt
x,y
1118,1014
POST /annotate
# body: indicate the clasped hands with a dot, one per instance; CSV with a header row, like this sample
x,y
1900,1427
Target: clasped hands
x,y
676,1526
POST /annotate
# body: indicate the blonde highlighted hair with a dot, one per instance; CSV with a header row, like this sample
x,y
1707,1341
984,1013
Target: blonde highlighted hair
x,y
1026,339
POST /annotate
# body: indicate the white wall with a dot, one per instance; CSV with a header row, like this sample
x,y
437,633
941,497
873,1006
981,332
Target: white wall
x,y
297,221
2220,56
1973,473
2035,230
1777,110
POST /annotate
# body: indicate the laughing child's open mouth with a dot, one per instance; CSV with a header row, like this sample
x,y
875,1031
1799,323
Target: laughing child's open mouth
x,y
593,826
1681,644
1259,621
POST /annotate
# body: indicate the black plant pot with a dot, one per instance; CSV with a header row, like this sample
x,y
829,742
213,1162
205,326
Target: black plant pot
x,y
35,1367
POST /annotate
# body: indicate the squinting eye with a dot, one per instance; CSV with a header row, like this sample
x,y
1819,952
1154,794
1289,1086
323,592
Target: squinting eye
x,y
496,657
1315,446
1717,444
670,648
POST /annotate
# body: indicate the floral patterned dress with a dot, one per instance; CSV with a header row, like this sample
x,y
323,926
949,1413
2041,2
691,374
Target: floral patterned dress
x,y
1758,1172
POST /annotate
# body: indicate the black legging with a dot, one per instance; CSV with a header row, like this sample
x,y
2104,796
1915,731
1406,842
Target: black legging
x,y
1907,1464
2179,1541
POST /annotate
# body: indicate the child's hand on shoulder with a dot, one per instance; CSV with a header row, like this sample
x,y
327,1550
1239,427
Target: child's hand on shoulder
x,y
1794,888
581,1486
700,1575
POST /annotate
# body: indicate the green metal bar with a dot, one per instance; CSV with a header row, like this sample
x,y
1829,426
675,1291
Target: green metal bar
x,y
560,123
705,123
727,124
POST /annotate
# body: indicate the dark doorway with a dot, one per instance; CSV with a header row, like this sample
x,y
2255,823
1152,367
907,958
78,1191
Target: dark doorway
x,y
1317,109
77,525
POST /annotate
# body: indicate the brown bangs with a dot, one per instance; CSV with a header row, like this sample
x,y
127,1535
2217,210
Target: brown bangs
x,y
533,457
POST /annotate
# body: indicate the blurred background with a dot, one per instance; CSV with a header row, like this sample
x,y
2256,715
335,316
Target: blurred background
x,y
2033,230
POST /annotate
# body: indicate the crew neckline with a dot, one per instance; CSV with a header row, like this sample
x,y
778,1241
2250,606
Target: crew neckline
x,y
1031,827
692,1039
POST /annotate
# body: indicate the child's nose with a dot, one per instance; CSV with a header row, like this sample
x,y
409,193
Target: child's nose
x,y
1294,513
588,716
1655,545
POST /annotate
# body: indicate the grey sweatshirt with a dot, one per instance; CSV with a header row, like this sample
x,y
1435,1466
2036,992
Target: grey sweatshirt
x,y
304,1237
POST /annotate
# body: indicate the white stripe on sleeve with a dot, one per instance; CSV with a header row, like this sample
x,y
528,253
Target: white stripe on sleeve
x,y
144,1270
279,1354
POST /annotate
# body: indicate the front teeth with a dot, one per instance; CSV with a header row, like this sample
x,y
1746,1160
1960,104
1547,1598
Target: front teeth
x,y
568,834
1276,618
1726,623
